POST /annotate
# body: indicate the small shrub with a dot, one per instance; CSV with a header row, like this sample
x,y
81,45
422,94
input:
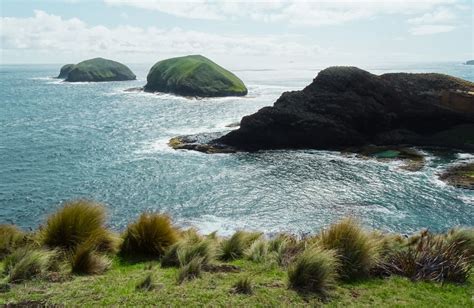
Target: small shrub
x,y
357,251
150,235
431,258
258,251
234,247
10,238
314,270
146,284
190,271
26,264
75,223
86,261
243,286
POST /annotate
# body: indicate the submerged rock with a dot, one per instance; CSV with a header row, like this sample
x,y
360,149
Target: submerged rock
x,y
193,76
99,69
461,176
64,72
347,106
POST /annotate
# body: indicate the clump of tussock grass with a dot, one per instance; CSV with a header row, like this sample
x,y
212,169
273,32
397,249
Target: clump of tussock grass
x,y
190,247
75,223
85,260
146,284
357,250
235,246
463,241
243,286
192,270
149,236
284,248
431,257
314,270
10,238
258,251
27,263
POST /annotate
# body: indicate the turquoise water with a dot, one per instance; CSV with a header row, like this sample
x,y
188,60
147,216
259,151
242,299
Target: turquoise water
x,y
62,141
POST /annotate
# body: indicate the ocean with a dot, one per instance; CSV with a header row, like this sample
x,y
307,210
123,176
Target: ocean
x,y
62,141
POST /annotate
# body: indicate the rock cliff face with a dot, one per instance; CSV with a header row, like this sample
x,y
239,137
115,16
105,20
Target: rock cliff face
x,y
65,71
347,106
99,69
193,76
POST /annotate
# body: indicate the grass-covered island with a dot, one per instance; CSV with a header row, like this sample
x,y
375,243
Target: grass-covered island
x,y
96,70
193,75
73,259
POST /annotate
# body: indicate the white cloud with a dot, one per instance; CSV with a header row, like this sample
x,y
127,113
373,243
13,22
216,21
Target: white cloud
x,y
50,33
431,29
441,15
297,13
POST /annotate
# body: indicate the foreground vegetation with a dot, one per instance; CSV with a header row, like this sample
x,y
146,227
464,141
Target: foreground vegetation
x,y
74,259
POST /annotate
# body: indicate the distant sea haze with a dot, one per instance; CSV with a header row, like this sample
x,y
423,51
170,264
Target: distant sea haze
x,y
61,141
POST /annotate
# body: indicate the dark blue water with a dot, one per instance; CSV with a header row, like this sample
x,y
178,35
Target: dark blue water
x,y
61,141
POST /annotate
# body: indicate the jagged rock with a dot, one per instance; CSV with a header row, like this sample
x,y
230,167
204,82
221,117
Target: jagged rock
x,y
346,107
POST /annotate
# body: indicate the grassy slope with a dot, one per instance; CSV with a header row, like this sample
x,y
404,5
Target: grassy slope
x,y
193,74
118,287
99,69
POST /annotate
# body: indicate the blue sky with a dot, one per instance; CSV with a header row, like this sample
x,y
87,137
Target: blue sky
x,y
261,33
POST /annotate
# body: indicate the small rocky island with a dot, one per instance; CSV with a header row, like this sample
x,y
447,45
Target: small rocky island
x,y
470,62
348,107
460,176
96,70
193,76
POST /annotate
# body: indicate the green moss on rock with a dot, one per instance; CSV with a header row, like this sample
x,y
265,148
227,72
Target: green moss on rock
x,y
64,72
99,69
193,76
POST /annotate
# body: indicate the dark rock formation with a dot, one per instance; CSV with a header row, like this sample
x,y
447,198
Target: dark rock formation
x,y
64,72
347,106
470,62
461,176
99,69
193,76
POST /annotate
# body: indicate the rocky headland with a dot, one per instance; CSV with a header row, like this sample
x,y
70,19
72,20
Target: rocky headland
x,y
194,76
349,107
64,72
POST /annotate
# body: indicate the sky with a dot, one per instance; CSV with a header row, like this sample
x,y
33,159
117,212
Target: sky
x,y
253,33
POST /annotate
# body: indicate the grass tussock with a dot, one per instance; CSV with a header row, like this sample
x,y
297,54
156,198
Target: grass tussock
x,y
75,223
357,250
431,257
463,241
146,284
27,264
235,246
150,235
191,270
243,286
314,270
10,238
258,251
85,260
188,248
284,248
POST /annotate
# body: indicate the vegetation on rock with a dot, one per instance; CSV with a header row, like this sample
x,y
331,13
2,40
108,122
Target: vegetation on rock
x,y
99,69
193,76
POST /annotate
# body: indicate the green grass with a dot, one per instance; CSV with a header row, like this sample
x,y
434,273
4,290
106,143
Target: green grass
x,y
119,287
193,76
99,69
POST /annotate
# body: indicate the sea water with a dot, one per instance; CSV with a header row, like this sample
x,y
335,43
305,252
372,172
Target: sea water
x,y
61,141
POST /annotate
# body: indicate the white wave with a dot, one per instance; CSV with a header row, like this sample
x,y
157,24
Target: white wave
x,y
209,223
